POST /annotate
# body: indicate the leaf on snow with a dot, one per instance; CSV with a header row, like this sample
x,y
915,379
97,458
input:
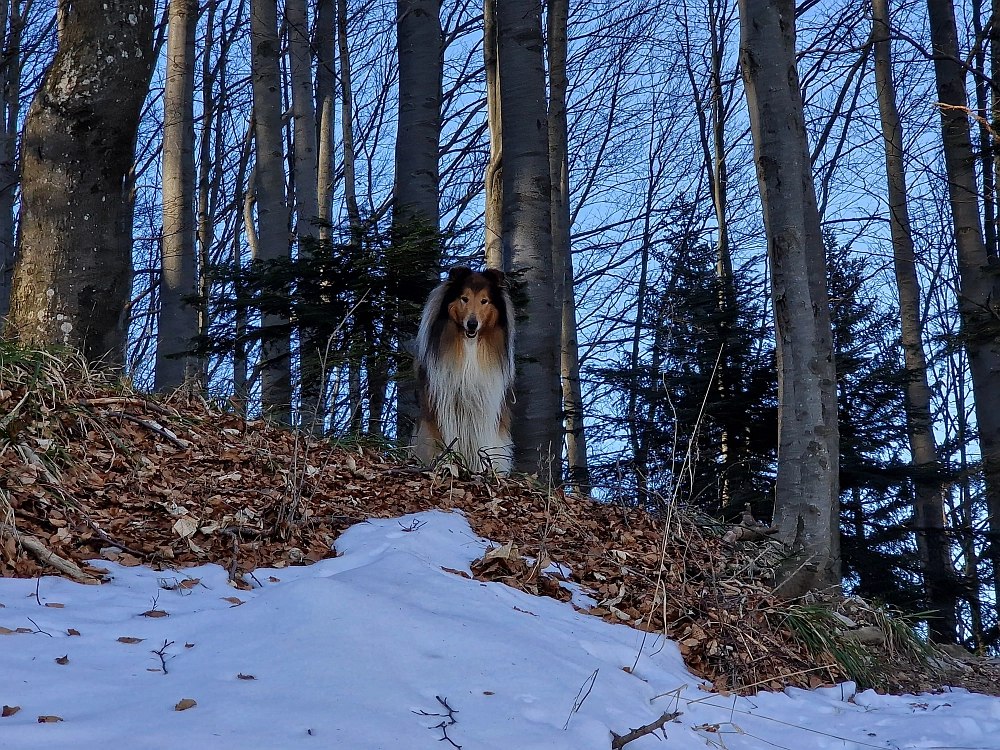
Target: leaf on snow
x,y
184,704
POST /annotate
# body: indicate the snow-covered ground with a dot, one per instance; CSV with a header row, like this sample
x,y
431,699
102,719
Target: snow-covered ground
x,y
365,650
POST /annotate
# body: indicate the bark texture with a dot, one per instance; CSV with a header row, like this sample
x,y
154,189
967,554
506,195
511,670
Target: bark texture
x,y
979,280
928,507
73,278
415,199
494,168
178,320
272,210
10,109
562,256
527,236
806,508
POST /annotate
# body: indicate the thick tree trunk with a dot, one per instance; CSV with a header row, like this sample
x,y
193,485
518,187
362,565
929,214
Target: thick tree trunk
x,y
806,506
979,275
928,507
562,257
494,168
178,320
272,211
415,200
527,232
10,110
72,281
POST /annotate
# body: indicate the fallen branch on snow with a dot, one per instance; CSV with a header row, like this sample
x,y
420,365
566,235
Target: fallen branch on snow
x,y
45,555
621,740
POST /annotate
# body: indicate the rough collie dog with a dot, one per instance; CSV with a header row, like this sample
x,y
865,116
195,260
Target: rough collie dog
x,y
465,365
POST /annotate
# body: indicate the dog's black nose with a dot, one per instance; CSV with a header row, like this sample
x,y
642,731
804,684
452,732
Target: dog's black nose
x,y
472,325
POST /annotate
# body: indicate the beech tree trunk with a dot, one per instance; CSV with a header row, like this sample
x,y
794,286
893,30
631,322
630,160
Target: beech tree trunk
x,y
494,168
562,256
979,274
272,211
73,278
178,320
325,36
806,508
928,507
527,232
415,199
11,24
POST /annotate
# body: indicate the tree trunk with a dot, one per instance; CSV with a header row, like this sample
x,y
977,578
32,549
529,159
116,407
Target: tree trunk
x,y
562,256
415,199
10,110
72,282
304,119
326,91
272,211
979,280
928,507
494,168
347,124
208,187
806,508
305,168
178,320
527,232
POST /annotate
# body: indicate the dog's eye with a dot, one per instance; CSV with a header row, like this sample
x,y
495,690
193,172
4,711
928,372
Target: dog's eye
x,y
465,299
485,301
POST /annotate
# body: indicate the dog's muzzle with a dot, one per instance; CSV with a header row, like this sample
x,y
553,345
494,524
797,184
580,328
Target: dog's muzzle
x,y
471,328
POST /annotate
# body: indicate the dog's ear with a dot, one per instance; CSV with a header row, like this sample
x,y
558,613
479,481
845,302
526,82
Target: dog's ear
x,y
459,273
495,276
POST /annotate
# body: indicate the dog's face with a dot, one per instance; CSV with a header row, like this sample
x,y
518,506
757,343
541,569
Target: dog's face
x,y
473,309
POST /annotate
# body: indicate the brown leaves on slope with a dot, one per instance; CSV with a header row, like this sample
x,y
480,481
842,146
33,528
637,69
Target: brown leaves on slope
x,y
93,471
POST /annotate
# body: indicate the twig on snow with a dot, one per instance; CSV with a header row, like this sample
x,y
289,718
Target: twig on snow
x,y
162,653
449,720
621,740
581,696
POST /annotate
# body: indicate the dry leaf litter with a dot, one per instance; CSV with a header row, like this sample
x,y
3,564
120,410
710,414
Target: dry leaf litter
x,y
90,470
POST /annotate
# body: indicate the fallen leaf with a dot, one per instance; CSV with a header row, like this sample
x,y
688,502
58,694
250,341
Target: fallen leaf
x,y
129,561
242,676
127,639
48,719
232,600
188,583
63,659
73,631
6,631
154,613
9,711
185,704
456,572
188,645
54,605
272,579
24,630
185,526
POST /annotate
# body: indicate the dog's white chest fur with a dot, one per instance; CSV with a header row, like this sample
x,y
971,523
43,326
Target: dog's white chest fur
x,y
467,394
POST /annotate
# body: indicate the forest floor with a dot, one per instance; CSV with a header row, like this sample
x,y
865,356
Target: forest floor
x,y
91,471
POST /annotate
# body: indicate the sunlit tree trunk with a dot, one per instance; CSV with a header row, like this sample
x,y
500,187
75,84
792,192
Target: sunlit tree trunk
x,y
806,508
72,281
178,320
494,168
325,41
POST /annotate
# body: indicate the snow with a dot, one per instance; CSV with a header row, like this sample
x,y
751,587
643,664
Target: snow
x,y
348,652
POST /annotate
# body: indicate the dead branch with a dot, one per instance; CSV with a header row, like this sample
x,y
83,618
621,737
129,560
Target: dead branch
x,y
31,458
45,555
621,740
152,427
126,401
